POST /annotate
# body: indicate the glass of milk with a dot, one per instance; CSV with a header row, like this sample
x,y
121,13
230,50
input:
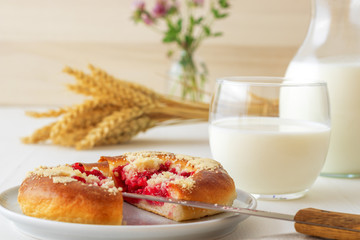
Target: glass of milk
x,y
268,147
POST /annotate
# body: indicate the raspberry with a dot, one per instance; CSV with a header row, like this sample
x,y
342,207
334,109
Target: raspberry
x,y
95,172
137,183
80,179
81,168
78,166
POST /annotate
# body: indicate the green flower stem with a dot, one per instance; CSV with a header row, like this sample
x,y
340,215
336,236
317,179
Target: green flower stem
x,y
190,79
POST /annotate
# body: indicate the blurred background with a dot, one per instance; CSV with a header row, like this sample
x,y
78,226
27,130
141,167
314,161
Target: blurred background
x,y
38,38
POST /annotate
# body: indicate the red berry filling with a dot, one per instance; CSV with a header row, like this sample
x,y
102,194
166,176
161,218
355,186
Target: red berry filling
x,y
138,181
95,172
78,166
80,179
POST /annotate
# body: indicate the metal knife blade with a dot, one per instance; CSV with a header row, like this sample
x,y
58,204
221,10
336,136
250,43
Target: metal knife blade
x,y
217,207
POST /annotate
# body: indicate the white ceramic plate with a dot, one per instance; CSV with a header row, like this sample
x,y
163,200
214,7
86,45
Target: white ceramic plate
x,y
139,224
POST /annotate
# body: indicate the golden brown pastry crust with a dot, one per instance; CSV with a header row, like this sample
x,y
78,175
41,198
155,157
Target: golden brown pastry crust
x,y
74,201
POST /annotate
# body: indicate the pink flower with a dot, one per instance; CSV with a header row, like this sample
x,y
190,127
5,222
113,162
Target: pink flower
x,y
147,19
161,8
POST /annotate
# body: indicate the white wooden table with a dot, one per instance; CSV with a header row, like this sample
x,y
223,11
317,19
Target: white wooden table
x,y
17,159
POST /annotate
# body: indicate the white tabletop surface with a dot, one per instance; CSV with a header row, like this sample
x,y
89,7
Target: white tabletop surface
x,y
341,195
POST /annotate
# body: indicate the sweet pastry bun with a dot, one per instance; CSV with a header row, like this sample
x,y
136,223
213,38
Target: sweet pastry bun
x,y
91,193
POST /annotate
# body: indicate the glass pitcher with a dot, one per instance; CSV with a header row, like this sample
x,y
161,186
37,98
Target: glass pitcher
x,y
331,53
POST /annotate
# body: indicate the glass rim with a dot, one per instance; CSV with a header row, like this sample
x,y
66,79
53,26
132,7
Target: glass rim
x,y
269,81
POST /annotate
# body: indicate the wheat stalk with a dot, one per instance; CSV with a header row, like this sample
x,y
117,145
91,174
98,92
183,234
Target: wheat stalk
x,y
117,111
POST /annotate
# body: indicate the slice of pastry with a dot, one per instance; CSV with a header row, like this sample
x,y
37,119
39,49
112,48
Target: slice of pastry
x,y
175,176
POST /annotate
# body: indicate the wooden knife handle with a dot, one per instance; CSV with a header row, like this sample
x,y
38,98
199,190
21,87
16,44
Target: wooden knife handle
x,y
338,225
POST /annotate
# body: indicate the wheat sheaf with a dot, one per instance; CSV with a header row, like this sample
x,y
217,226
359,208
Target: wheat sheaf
x,y
114,113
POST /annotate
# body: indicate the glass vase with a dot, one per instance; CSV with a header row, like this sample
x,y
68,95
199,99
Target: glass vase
x,y
331,53
188,77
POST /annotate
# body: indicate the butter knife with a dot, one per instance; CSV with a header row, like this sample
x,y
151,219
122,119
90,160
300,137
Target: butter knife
x,y
309,221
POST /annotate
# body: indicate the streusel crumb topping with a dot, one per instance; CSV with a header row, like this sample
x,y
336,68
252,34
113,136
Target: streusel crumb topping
x,y
65,174
152,160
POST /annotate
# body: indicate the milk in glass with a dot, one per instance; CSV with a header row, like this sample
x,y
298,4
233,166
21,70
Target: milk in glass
x,y
269,155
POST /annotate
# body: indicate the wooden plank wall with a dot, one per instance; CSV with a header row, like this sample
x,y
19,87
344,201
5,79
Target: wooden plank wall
x,y
39,37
